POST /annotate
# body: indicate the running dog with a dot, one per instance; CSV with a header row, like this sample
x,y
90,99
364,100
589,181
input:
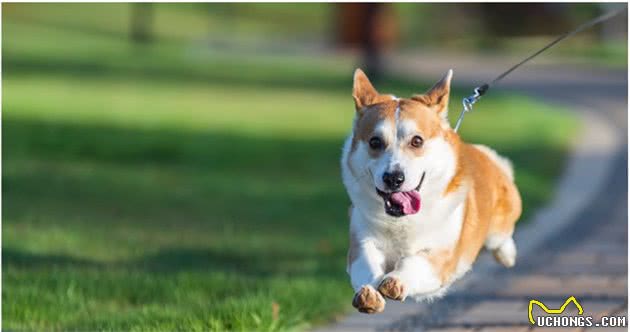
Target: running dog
x,y
424,203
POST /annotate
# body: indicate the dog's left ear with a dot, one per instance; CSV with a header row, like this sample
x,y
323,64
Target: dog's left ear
x,y
437,96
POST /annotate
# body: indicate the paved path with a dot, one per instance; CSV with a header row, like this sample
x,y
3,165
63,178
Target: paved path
x,y
578,246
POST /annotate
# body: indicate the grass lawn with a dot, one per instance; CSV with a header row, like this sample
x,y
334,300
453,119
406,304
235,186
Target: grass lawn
x,y
159,188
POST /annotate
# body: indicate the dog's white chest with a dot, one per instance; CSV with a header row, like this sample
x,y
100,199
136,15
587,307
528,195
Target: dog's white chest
x,y
430,229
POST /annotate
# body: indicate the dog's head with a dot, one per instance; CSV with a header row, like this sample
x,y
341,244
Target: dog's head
x,y
398,142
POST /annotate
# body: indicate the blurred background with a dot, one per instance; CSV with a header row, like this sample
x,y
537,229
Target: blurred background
x,y
175,166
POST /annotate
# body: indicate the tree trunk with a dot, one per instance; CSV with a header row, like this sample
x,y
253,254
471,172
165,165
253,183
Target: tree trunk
x,y
371,27
141,22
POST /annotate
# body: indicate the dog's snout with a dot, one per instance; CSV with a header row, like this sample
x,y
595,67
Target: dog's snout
x,y
393,180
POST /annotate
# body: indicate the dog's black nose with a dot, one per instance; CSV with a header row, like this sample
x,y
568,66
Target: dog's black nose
x,y
394,179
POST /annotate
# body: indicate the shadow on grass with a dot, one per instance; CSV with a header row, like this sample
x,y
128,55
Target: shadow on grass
x,y
224,72
201,150
105,175
22,259
262,264
110,180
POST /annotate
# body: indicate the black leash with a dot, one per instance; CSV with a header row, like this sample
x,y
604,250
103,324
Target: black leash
x,y
481,90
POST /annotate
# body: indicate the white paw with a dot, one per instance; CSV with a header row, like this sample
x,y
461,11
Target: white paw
x,y
506,253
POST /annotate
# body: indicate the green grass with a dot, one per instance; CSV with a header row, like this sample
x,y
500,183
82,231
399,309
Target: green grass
x,y
157,189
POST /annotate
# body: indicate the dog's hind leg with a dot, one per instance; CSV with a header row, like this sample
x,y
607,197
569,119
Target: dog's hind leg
x,y
499,239
507,211
500,242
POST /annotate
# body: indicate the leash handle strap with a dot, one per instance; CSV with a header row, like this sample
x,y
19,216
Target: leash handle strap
x,y
479,91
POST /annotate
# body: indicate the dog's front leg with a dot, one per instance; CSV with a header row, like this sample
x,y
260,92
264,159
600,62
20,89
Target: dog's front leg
x,y
366,268
413,275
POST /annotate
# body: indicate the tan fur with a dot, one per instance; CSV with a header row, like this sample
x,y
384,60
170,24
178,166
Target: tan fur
x,y
369,117
437,97
443,261
364,93
493,205
426,120
504,163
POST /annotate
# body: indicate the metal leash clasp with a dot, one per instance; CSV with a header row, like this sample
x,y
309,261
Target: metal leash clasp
x,y
467,104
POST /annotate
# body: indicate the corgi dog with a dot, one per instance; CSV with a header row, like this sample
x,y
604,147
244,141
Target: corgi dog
x,y
424,203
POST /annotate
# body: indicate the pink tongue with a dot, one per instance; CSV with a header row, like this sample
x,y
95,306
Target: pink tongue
x,y
409,200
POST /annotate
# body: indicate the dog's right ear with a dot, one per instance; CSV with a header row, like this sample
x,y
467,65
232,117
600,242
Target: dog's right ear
x,y
363,92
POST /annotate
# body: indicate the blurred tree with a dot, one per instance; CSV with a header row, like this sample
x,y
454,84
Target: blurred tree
x,y
141,22
370,26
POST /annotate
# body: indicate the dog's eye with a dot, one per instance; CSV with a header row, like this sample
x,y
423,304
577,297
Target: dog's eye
x,y
417,141
376,143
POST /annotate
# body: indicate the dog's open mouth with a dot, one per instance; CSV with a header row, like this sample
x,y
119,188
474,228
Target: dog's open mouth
x,y
401,203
